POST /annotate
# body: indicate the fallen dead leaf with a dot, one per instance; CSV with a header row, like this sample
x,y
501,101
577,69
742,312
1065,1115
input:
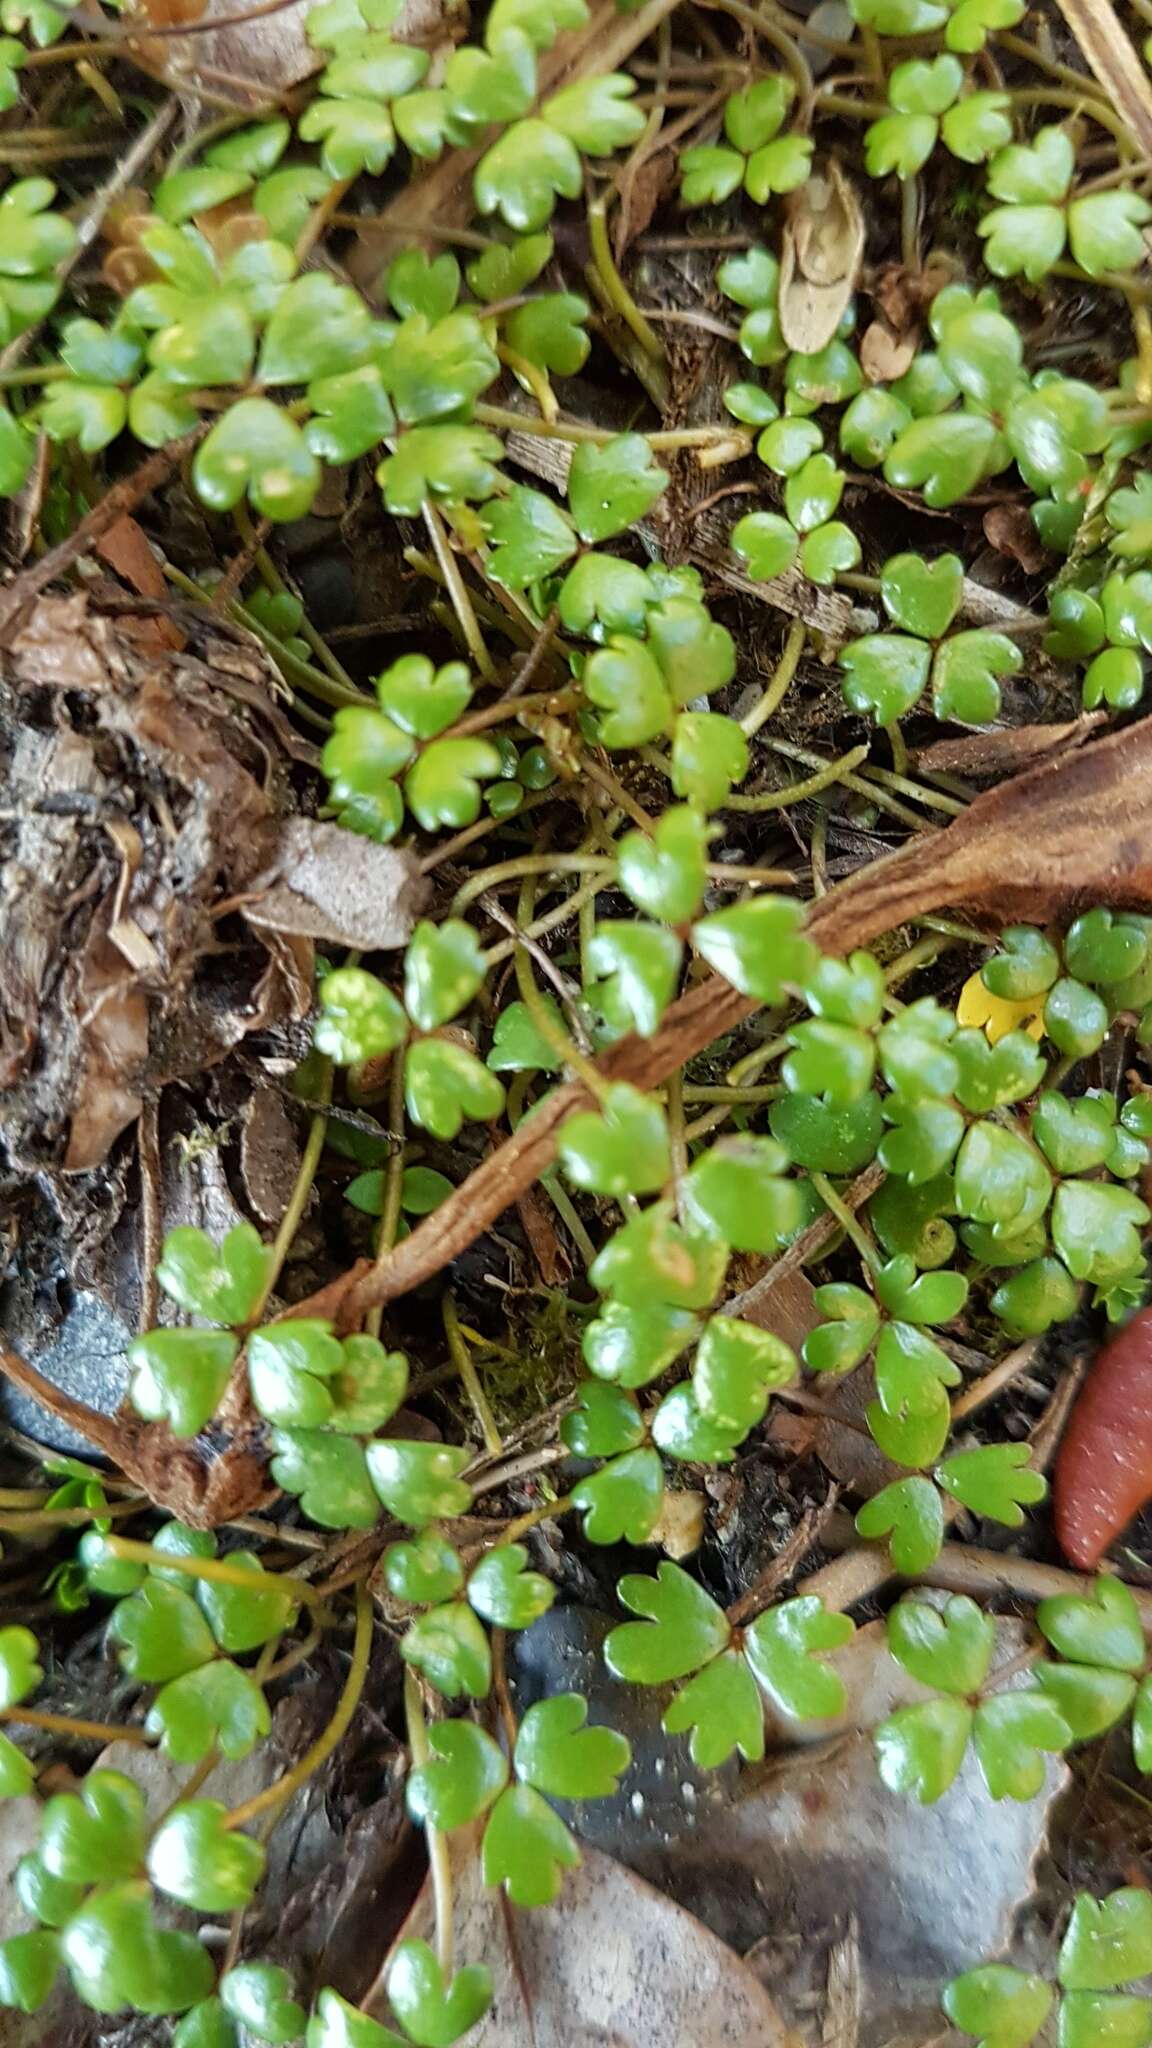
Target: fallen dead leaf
x,y
885,354
613,1964
126,548
820,258
1008,528
336,886
901,295
130,829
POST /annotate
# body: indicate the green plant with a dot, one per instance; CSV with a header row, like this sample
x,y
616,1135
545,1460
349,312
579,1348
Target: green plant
x,y
1107,1944
570,678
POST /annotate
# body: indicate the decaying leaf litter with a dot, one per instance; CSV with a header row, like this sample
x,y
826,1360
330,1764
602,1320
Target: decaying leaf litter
x,y
169,886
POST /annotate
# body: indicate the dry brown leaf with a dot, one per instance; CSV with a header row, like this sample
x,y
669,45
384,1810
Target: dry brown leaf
x,y
1008,528
336,886
820,258
250,60
114,877
885,354
612,1962
126,548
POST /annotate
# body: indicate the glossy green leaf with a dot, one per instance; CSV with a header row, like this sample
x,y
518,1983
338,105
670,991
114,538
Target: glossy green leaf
x,y
621,1148
683,1628
328,1474
524,173
722,1712
632,1343
527,1848
910,1514
465,1774
28,1968
994,1480
196,1860
336,2024
605,1421
559,1755
97,1835
243,1619
622,1501
783,1647
255,448
419,1482
214,1707
220,1282
259,1997
652,1258
425,1570
160,1633
920,1749
1013,1733
504,1592
451,1648
948,1648
444,1083
1006,2007
624,682
638,966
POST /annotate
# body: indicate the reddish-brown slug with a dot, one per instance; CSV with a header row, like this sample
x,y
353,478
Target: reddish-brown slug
x,y
1103,1470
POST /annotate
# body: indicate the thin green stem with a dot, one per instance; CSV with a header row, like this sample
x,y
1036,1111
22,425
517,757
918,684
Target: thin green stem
x,y
276,583
502,417
275,1795
470,1379
797,792
770,27
67,1724
905,785
780,680
458,592
565,1208
217,1571
312,680
615,290
40,373
899,750
550,1031
851,781
439,1862
848,1222
527,864
548,923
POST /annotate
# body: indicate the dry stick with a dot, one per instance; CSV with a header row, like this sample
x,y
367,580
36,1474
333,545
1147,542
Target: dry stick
x,y
1114,62
960,1568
